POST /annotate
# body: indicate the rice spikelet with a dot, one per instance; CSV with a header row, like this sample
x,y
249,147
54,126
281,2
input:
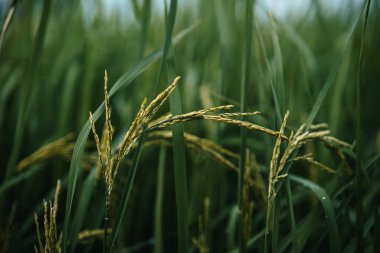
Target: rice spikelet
x,y
61,147
53,242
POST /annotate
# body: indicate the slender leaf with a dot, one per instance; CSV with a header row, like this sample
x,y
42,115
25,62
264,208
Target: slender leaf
x,y
360,173
246,71
328,208
158,212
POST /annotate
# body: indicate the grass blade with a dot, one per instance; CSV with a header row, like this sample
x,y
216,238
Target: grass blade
x,y
243,106
279,72
180,170
158,228
291,214
359,173
328,208
84,199
146,13
327,85
19,178
125,195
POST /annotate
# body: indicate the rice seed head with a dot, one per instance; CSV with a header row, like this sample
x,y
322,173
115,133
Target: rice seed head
x,y
309,158
217,152
93,234
38,234
63,146
108,116
202,114
153,108
52,241
98,146
274,169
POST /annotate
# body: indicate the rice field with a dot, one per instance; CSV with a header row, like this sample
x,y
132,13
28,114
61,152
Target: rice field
x,y
214,126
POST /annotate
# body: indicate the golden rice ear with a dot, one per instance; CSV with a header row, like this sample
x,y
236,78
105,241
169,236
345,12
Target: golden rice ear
x,y
93,234
310,159
274,169
52,241
61,147
217,152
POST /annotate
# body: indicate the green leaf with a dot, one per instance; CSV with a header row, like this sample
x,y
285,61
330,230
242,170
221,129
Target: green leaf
x,y
328,208
158,212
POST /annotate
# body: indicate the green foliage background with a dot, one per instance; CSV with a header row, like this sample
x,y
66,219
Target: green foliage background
x,y
52,62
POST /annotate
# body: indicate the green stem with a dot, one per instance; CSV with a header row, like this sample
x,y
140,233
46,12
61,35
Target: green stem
x,y
359,152
158,237
243,103
291,213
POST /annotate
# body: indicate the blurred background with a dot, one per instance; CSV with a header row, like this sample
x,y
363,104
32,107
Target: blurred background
x,y
52,60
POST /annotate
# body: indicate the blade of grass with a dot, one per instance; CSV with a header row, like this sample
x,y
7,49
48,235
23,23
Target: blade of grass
x,y
167,43
87,82
125,195
359,173
279,70
180,170
271,77
246,71
146,13
16,180
304,230
158,228
275,222
330,80
251,241
84,199
291,214
328,208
